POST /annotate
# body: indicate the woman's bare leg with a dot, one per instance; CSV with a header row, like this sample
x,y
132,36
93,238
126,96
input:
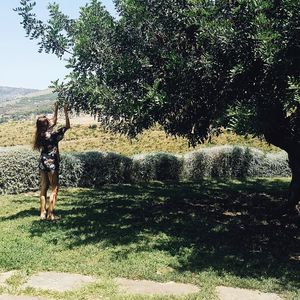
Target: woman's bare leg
x,y
44,185
53,179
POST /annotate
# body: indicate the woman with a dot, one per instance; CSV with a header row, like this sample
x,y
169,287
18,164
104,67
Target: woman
x,y
46,140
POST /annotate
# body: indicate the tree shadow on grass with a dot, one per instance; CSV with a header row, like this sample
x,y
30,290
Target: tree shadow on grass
x,y
227,226
21,214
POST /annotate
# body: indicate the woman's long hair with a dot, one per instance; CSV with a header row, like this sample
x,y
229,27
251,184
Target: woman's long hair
x,y
42,124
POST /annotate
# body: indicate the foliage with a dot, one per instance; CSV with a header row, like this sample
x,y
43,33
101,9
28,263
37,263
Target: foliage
x,y
189,65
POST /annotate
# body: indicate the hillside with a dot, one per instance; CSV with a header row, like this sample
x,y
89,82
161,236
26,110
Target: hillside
x,y
20,107
7,93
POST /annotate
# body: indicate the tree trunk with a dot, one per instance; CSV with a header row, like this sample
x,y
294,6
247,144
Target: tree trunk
x,y
294,189
280,131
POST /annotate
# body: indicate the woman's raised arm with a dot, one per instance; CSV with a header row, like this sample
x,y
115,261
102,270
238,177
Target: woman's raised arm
x,y
54,119
67,116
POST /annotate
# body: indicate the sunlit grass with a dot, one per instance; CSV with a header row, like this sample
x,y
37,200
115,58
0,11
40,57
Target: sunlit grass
x,y
83,138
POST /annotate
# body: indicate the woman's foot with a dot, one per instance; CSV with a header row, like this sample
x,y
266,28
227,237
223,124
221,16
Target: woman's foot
x,y
43,215
52,217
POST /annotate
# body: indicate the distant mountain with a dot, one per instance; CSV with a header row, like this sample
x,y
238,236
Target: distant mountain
x,y
19,104
7,93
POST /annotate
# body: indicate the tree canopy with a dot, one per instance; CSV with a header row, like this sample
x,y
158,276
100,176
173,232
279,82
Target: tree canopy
x,y
193,66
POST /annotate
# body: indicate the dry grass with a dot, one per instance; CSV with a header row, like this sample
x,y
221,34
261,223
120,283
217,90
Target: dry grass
x,y
84,137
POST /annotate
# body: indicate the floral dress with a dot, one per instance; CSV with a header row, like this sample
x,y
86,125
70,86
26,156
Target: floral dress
x,y
49,159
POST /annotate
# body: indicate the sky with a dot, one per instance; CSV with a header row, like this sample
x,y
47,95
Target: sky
x,y
20,63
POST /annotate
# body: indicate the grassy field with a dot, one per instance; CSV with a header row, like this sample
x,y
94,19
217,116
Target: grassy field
x,y
85,137
209,234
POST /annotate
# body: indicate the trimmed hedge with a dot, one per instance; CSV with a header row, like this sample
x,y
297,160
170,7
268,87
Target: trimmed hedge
x,y
156,166
98,168
234,162
18,171
19,167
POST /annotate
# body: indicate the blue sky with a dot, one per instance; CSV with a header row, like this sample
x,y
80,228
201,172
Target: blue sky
x,y
20,63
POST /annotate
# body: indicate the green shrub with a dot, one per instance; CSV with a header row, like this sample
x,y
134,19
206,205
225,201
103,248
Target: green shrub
x,y
18,171
197,165
101,167
71,170
230,162
221,162
156,166
274,164
234,162
19,167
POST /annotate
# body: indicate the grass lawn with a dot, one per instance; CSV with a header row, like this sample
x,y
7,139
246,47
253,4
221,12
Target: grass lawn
x,y
209,234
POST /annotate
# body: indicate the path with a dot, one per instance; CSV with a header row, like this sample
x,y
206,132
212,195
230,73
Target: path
x,y
63,282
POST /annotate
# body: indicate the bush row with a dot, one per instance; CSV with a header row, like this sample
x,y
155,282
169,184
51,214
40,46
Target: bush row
x,y
19,172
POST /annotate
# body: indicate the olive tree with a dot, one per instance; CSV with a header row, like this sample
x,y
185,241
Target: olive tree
x,y
193,66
